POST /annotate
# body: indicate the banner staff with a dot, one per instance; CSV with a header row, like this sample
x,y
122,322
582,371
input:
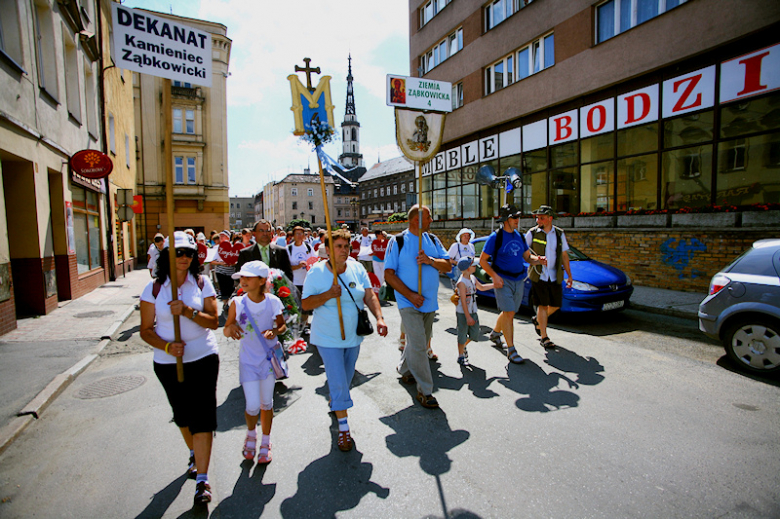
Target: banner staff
x,y
313,112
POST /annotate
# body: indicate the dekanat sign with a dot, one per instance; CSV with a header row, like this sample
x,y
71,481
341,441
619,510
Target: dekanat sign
x,y
159,47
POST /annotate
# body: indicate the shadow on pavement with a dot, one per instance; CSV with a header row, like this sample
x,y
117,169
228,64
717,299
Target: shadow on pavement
x,y
473,377
250,494
587,369
163,499
313,365
540,387
335,482
773,379
230,414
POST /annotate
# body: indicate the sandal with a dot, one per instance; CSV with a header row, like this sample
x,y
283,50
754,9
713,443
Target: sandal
x,y
345,442
513,356
408,378
427,401
432,356
192,471
263,459
463,361
495,337
536,326
403,344
202,493
547,343
249,447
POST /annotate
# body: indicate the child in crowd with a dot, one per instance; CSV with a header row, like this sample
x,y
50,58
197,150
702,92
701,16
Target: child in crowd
x,y
256,318
466,310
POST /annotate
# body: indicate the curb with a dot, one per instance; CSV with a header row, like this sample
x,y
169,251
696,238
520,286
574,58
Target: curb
x,y
33,410
670,311
116,324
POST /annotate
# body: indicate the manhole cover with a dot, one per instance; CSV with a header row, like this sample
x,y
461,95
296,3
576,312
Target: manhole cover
x,y
98,313
110,386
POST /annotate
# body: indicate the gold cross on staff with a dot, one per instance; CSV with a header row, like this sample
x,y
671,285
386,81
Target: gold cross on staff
x,y
308,71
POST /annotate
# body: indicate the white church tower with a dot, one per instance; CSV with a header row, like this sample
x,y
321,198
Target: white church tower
x,y
350,129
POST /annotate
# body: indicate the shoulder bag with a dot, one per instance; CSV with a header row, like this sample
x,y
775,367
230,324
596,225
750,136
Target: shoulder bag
x,y
364,326
275,355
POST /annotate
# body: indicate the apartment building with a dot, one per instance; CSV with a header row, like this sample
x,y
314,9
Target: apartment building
x,y
242,212
388,187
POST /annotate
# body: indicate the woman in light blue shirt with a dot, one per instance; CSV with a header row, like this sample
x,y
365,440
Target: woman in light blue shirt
x,y
339,355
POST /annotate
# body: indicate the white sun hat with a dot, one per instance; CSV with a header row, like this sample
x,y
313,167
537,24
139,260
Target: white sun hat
x,y
252,269
182,240
464,231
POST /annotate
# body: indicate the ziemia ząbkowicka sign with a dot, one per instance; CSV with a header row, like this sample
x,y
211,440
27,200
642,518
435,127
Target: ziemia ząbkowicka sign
x,y
159,47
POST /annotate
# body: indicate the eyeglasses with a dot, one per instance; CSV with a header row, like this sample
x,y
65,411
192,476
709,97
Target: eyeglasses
x,y
180,253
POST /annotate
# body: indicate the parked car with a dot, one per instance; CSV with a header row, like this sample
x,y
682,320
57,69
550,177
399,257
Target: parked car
x,y
597,287
742,309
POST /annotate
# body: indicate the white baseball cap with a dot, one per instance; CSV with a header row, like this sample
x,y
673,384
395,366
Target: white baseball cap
x,y
182,240
252,269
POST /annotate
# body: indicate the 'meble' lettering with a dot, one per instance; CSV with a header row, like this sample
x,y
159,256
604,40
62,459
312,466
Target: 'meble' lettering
x,y
680,104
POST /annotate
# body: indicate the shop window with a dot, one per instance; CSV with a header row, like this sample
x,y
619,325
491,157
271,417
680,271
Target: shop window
x,y
597,148
564,190
748,170
750,116
452,204
616,16
439,207
637,179
689,129
637,140
534,161
86,227
597,183
534,190
439,180
686,180
470,197
564,155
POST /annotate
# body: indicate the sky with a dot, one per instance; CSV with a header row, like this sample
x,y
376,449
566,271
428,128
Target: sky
x,y
269,39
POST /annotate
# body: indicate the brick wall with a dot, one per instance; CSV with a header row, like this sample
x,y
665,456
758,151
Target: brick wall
x,y
8,311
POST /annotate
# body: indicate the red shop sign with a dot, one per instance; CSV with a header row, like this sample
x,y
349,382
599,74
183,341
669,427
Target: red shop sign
x,y
91,164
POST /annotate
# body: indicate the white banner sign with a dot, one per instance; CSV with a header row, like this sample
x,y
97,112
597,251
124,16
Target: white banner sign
x,y
158,47
752,74
419,94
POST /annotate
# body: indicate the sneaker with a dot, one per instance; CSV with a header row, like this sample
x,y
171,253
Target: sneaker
x,y
202,493
463,360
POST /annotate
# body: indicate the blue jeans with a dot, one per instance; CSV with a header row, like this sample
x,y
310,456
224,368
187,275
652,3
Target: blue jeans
x,y
339,369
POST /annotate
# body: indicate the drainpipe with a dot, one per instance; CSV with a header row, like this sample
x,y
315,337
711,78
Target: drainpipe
x,y
102,97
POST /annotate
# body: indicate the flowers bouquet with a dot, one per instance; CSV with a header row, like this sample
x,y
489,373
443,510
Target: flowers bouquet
x,y
281,286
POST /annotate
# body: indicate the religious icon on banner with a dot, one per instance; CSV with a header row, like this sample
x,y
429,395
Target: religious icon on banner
x,y
419,134
398,90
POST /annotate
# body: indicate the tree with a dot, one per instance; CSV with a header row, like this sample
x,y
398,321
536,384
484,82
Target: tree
x,y
299,223
398,217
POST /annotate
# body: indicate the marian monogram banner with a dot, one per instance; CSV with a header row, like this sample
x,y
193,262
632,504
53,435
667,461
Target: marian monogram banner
x,y
419,134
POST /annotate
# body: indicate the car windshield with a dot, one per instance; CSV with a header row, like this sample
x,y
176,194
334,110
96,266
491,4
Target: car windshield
x,y
574,254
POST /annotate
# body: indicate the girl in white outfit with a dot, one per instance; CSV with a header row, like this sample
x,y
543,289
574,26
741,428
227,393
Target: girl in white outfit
x,y
257,342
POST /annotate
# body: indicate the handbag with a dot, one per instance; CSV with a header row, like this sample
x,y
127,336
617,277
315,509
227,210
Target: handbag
x,y
274,355
364,326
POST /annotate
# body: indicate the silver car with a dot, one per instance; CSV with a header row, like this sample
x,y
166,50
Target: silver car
x,y
743,308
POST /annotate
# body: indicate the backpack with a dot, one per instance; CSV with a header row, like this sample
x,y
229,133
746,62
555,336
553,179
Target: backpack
x,y
289,248
156,287
399,238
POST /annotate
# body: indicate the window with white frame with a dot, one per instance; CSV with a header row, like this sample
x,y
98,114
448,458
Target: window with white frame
x,y
395,189
177,120
457,95
190,170
411,187
381,191
294,191
189,126
90,97
442,50
533,58
431,9
46,60
310,192
499,10
616,16
178,170
403,187
375,193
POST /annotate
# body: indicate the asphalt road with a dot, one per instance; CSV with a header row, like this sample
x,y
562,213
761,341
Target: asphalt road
x,y
634,415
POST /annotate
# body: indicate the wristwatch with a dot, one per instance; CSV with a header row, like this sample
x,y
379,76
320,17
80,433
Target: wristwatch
x,y
194,314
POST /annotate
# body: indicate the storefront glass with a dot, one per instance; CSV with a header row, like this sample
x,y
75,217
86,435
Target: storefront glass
x,y
749,170
564,190
750,116
597,187
600,147
687,177
86,227
689,129
637,179
638,139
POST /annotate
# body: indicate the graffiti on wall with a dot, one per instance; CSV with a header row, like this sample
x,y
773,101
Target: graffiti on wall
x,y
679,256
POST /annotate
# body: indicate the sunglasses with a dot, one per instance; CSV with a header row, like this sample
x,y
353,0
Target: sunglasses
x,y
185,252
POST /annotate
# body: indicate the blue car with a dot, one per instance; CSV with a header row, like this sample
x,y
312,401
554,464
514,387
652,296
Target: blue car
x,y
597,287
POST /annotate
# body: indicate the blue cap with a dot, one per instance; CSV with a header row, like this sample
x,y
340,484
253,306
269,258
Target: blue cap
x,y
465,263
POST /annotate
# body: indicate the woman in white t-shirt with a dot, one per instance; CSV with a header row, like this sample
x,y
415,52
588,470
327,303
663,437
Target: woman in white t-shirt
x,y
194,401
460,249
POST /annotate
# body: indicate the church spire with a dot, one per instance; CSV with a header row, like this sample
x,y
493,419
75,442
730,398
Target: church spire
x,y
350,128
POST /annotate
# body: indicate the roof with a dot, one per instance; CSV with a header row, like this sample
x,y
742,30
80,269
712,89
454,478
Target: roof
x,y
304,178
387,168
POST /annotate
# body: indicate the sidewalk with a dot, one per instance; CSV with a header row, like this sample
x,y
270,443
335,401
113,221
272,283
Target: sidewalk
x,y
33,356
90,321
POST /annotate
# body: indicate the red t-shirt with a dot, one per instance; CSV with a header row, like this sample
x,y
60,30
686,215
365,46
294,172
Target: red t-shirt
x,y
378,247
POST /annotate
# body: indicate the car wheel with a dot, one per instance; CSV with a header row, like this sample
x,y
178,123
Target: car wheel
x,y
754,344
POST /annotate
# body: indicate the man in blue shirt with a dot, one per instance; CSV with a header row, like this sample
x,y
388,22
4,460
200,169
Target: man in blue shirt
x,y
501,259
417,308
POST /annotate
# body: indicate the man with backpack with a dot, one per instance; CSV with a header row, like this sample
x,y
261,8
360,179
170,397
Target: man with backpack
x,y
546,290
501,259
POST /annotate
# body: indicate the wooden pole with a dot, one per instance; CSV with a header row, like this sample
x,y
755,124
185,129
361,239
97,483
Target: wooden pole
x,y
419,225
169,207
330,243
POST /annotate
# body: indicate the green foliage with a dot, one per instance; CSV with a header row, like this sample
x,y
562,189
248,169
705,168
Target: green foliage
x,y
300,222
398,217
